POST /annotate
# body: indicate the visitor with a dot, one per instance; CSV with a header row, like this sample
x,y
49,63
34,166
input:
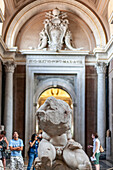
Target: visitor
x,y
1,149
5,145
96,150
16,147
33,150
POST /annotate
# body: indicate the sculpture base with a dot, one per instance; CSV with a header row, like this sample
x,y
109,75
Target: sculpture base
x,y
56,165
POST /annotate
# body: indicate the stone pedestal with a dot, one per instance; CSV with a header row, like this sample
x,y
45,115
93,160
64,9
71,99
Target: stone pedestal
x,y
101,104
57,165
8,110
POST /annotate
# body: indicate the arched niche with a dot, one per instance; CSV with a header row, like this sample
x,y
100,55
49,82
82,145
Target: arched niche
x,y
74,7
28,36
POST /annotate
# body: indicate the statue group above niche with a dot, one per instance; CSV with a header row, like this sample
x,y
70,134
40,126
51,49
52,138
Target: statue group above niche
x,y
56,36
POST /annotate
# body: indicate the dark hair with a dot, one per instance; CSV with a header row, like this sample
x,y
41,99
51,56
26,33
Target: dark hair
x,y
3,132
95,134
14,132
33,137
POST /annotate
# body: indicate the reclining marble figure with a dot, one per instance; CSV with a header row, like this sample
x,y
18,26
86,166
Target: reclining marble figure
x,y
57,150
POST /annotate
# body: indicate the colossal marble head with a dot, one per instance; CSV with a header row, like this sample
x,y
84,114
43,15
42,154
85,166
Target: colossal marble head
x,y
54,116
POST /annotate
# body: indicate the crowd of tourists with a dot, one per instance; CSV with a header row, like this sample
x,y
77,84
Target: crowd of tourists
x,y
16,147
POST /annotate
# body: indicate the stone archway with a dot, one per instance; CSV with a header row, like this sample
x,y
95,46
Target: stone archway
x,y
55,82
57,93
61,84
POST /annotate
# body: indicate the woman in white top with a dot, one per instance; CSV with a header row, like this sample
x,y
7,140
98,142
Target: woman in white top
x,y
96,150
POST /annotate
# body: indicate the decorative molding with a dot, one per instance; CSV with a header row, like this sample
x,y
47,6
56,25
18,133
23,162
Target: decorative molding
x,y
53,61
105,54
60,52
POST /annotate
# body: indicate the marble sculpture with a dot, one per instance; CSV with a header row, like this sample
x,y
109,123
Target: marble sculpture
x,y
56,33
57,150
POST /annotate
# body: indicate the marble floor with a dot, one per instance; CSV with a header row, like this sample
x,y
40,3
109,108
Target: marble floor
x,y
104,165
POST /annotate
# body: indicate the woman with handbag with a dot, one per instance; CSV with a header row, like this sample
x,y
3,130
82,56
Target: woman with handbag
x,y
96,150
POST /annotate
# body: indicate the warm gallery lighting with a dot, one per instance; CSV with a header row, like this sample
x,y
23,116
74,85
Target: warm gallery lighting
x,y
57,93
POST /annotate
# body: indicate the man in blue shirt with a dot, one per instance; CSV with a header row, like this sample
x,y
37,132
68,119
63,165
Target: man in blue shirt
x,y
16,147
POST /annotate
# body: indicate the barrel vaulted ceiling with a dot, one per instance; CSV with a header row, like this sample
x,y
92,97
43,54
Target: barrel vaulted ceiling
x,y
24,21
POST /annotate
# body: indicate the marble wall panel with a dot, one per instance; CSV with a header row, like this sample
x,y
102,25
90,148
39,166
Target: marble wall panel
x,y
90,105
19,100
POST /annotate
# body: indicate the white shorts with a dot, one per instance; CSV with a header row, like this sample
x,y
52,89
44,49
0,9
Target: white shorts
x,y
16,162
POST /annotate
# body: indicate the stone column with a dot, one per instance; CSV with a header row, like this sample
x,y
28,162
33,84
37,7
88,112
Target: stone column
x,y
8,110
101,102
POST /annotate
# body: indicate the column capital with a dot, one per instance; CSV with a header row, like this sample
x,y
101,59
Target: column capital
x,y
9,66
101,67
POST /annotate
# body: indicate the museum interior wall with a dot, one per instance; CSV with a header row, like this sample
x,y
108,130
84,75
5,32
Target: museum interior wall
x,y
91,27
90,104
19,100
